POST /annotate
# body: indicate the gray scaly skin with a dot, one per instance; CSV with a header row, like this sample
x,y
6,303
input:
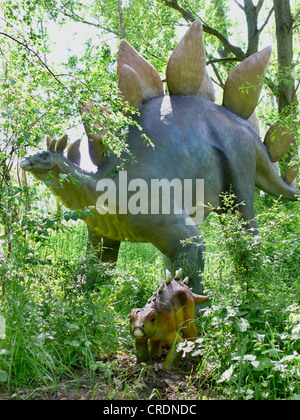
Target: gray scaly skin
x,y
194,139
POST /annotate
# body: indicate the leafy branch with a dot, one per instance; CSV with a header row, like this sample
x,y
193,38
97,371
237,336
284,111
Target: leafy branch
x,y
42,62
190,17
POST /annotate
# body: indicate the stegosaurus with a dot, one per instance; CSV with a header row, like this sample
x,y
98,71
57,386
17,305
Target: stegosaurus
x,y
194,139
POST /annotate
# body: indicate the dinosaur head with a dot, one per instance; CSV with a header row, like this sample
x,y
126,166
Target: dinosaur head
x,y
143,322
41,163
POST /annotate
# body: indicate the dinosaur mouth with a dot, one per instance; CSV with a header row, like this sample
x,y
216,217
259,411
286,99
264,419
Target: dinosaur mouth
x,y
25,164
138,333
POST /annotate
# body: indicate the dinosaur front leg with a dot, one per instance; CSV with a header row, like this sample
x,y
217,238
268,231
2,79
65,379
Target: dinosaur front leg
x,y
155,348
142,352
110,250
105,249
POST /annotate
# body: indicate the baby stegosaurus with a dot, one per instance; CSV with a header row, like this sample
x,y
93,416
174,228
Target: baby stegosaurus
x,y
169,311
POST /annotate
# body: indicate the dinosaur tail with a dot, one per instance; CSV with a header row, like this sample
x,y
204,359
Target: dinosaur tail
x,y
268,179
200,299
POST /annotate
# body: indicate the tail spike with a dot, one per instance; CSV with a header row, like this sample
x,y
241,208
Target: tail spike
x,y
198,299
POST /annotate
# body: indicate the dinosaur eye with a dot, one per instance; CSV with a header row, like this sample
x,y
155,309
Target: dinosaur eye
x,y
152,319
44,156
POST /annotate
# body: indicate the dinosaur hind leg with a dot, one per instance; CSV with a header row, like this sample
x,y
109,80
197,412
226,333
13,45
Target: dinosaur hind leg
x,y
243,188
184,247
190,258
244,203
189,330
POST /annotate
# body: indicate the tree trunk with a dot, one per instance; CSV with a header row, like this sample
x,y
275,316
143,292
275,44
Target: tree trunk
x,y
5,206
286,99
121,21
221,15
284,35
251,13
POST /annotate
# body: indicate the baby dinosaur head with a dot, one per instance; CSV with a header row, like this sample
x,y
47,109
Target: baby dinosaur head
x,y
143,322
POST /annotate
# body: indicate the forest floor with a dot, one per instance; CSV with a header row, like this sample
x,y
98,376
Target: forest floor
x,y
128,380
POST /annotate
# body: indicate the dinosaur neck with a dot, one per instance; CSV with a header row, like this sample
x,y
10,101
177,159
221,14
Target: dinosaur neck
x,y
75,188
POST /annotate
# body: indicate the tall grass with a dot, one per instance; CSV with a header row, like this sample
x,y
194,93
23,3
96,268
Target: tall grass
x,y
66,312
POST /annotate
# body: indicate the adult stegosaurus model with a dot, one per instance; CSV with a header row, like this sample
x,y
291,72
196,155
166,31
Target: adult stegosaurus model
x,y
193,138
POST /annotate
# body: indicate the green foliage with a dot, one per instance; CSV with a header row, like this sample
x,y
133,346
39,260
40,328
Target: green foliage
x,y
54,322
63,311
127,19
251,329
